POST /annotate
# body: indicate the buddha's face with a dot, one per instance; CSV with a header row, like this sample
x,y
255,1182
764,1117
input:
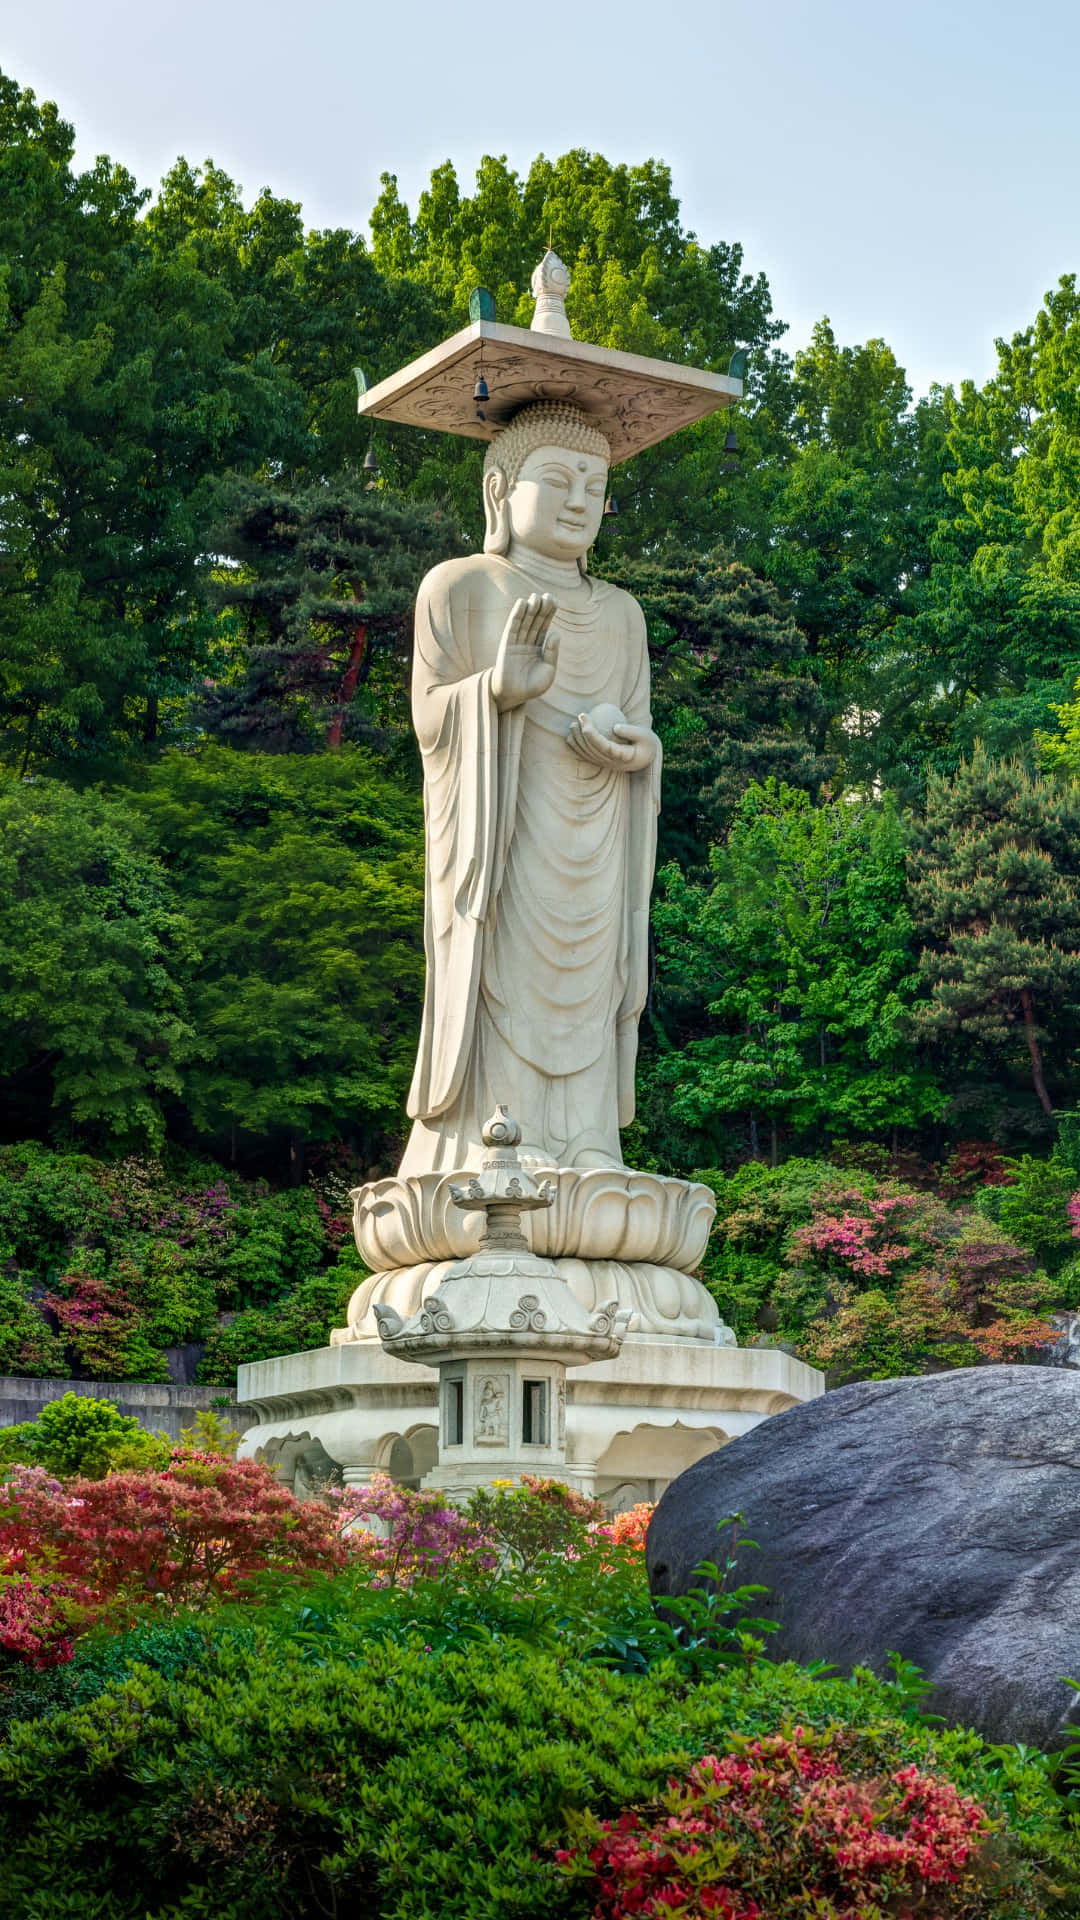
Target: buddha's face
x,y
557,502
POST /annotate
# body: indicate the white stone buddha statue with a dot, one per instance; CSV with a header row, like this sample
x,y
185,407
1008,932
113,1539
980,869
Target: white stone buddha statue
x,y
530,699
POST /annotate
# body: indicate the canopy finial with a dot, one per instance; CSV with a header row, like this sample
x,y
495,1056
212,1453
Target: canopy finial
x,y
551,284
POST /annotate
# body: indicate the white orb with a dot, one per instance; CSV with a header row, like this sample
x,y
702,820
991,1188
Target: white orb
x,y
605,718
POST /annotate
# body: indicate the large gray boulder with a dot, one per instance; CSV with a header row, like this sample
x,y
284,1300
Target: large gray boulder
x,y
938,1517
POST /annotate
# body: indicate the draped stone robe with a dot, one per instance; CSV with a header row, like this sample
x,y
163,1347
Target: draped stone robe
x,y
539,867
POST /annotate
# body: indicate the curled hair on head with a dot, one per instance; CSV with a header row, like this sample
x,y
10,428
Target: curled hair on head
x,y
545,423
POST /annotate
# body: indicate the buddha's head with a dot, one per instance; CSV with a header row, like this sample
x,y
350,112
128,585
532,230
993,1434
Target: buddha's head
x,y
545,481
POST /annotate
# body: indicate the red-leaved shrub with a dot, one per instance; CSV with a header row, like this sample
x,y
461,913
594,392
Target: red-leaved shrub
x,y
785,1828
71,1553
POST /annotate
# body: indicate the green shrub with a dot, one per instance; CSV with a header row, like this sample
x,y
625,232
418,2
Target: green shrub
x,y
49,1203
301,1320
131,1257
28,1345
1032,1208
81,1435
325,1771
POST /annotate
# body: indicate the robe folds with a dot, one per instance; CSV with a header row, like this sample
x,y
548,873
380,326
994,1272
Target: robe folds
x,y
539,868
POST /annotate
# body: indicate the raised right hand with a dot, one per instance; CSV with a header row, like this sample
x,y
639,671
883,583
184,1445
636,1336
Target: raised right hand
x,y
528,653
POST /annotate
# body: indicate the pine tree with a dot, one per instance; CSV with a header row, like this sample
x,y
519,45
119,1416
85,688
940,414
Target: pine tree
x,y
733,700
322,585
995,879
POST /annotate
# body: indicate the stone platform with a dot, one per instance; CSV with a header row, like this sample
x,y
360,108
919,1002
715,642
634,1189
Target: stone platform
x,y
632,1423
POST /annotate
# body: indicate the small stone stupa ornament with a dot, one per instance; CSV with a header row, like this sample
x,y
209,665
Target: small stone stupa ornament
x,y
551,284
502,1328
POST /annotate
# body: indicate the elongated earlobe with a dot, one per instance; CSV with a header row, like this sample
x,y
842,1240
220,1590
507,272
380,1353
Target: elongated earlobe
x,y
496,512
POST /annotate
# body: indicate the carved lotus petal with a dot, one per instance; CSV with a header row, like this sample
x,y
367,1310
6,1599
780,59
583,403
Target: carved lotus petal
x,y
657,1300
598,1213
614,1214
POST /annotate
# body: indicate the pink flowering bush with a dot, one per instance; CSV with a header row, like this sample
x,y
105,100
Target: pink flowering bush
x,y
39,1616
797,1826
100,1322
872,1238
973,1296
626,1529
868,1277
400,1535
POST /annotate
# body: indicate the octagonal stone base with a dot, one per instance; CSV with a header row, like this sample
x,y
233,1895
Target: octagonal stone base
x,y
632,1423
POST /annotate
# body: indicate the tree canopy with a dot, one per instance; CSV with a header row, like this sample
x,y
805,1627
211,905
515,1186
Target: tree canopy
x,y
864,630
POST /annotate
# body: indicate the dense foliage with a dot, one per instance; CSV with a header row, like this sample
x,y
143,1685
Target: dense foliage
x,y
456,1737
106,1266
865,636
865,1275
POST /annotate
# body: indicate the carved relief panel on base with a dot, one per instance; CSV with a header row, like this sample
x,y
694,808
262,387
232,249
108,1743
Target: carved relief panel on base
x,y
492,1395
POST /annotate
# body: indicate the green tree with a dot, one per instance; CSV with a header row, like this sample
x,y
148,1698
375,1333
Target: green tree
x,y
995,888
640,281
94,954
843,528
733,699
996,642
785,987
311,305
322,586
122,398
303,880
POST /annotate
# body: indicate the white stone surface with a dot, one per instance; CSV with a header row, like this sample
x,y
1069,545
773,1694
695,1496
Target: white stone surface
x,y
632,1423
551,284
540,834
661,1302
599,1213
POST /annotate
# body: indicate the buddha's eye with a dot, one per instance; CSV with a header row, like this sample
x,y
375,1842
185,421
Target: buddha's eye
x,y
557,480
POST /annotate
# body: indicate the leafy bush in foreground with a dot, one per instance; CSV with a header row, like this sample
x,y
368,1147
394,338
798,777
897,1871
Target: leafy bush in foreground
x,y
324,1742
292,1769
80,1434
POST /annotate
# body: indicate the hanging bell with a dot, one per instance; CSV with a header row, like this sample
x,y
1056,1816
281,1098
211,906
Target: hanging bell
x,y
480,391
611,508
731,443
371,463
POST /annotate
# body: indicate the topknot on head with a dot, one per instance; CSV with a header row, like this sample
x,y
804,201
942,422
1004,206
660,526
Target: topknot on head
x,y
544,423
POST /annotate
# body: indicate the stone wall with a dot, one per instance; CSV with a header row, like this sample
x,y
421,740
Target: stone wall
x,y
160,1407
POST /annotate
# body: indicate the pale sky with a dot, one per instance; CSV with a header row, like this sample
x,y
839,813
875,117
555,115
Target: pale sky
x,y
911,169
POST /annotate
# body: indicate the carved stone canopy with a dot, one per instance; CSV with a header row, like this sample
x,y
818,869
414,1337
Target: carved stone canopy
x,y
635,401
